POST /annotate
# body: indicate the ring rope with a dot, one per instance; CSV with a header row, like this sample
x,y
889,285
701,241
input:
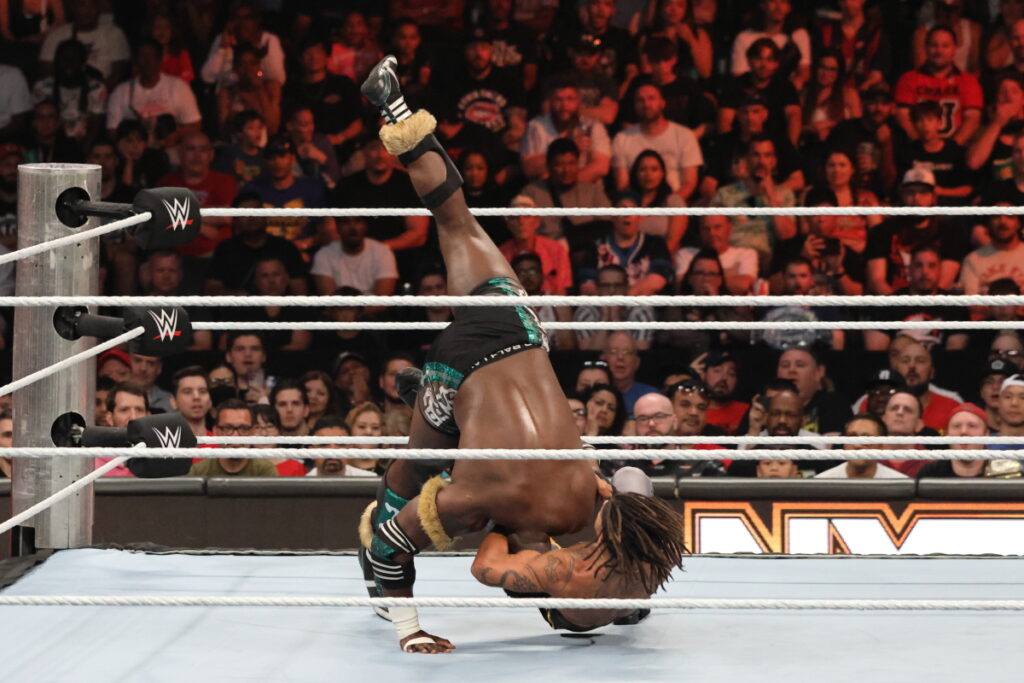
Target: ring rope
x,y
75,238
631,440
875,605
72,360
639,325
631,211
540,300
529,453
60,495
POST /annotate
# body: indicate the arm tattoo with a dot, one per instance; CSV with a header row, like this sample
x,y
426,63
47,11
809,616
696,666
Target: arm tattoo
x,y
521,583
556,570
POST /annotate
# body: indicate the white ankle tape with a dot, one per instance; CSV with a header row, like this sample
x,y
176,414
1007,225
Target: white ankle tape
x,y
406,621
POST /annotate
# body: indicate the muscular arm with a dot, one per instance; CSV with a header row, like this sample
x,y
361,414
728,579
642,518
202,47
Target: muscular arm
x,y
526,571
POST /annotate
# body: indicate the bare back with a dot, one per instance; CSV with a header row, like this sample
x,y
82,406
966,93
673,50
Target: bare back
x,y
517,403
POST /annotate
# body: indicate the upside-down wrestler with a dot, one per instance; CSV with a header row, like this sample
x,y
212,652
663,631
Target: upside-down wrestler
x,y
488,383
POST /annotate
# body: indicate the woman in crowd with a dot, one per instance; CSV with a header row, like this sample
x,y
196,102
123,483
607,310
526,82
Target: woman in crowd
x,y
481,189
828,98
366,419
991,151
177,61
251,92
605,410
840,178
321,394
647,180
704,277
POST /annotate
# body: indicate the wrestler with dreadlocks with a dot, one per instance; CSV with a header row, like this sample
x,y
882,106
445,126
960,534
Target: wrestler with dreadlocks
x,y
487,383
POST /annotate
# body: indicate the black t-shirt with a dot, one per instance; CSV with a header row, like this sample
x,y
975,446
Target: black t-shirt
x,y
1004,191
474,137
233,260
948,164
943,469
853,263
358,191
778,94
895,238
618,49
723,151
827,412
485,101
335,101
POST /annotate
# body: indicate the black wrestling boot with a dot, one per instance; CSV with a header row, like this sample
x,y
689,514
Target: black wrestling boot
x,y
372,586
633,619
382,89
408,384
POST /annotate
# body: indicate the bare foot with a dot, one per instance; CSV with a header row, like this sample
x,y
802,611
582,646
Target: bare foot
x,y
422,642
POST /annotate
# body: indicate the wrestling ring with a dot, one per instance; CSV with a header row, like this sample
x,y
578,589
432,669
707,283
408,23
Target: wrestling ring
x,y
88,614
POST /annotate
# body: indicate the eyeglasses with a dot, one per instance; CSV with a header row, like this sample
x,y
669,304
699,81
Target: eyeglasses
x,y
620,353
222,382
883,390
264,429
1007,353
579,412
591,364
657,417
235,429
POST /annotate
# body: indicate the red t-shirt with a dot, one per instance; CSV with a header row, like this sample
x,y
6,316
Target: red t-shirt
x,y
554,260
216,190
729,417
291,468
955,93
179,65
936,415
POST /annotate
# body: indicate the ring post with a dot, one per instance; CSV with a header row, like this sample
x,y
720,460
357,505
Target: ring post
x,y
71,270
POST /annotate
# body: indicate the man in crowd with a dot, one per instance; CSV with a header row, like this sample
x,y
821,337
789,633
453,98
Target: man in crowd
x,y
826,411
388,382
163,274
107,46
902,417
917,366
869,141
333,99
879,388
676,144
996,372
355,260
235,258
656,416
966,419
485,93
192,397
1002,257
863,424
612,280
764,80
289,400
145,372
739,264
234,418
623,359
1011,411
246,357
563,121
721,373
554,257
6,441
564,187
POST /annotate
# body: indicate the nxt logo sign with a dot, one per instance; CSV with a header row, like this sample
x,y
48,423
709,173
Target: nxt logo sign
x,y
856,528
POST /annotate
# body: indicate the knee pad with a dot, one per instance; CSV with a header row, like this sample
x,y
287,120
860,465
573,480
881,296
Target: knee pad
x,y
390,540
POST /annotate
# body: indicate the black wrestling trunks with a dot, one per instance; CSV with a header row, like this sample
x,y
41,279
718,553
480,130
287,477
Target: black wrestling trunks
x,y
477,336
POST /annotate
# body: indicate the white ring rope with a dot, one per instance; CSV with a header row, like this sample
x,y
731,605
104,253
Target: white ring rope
x,y
75,238
530,453
637,440
640,325
60,495
70,361
875,605
435,301
388,211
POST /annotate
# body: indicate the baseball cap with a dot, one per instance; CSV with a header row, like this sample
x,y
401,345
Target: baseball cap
x,y
998,366
876,92
967,408
919,176
478,34
114,353
885,376
1012,381
716,358
754,99
349,355
818,196
278,146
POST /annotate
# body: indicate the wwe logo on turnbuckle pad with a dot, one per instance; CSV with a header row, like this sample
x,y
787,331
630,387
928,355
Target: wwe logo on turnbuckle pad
x,y
168,438
178,210
166,324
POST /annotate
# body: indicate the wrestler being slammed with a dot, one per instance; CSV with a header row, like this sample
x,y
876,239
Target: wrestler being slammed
x,y
488,383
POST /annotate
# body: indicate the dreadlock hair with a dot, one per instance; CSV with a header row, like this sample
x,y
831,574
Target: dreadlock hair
x,y
641,539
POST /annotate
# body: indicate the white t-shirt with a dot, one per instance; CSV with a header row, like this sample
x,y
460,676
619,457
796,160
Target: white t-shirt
x,y
677,145
375,262
839,472
106,44
75,121
986,264
658,225
14,96
736,261
349,471
540,132
745,39
170,95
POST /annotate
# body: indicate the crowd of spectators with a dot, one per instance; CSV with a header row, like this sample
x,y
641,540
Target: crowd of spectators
x,y
551,103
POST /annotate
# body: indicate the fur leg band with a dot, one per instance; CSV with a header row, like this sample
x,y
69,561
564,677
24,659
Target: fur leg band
x,y
412,138
429,519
